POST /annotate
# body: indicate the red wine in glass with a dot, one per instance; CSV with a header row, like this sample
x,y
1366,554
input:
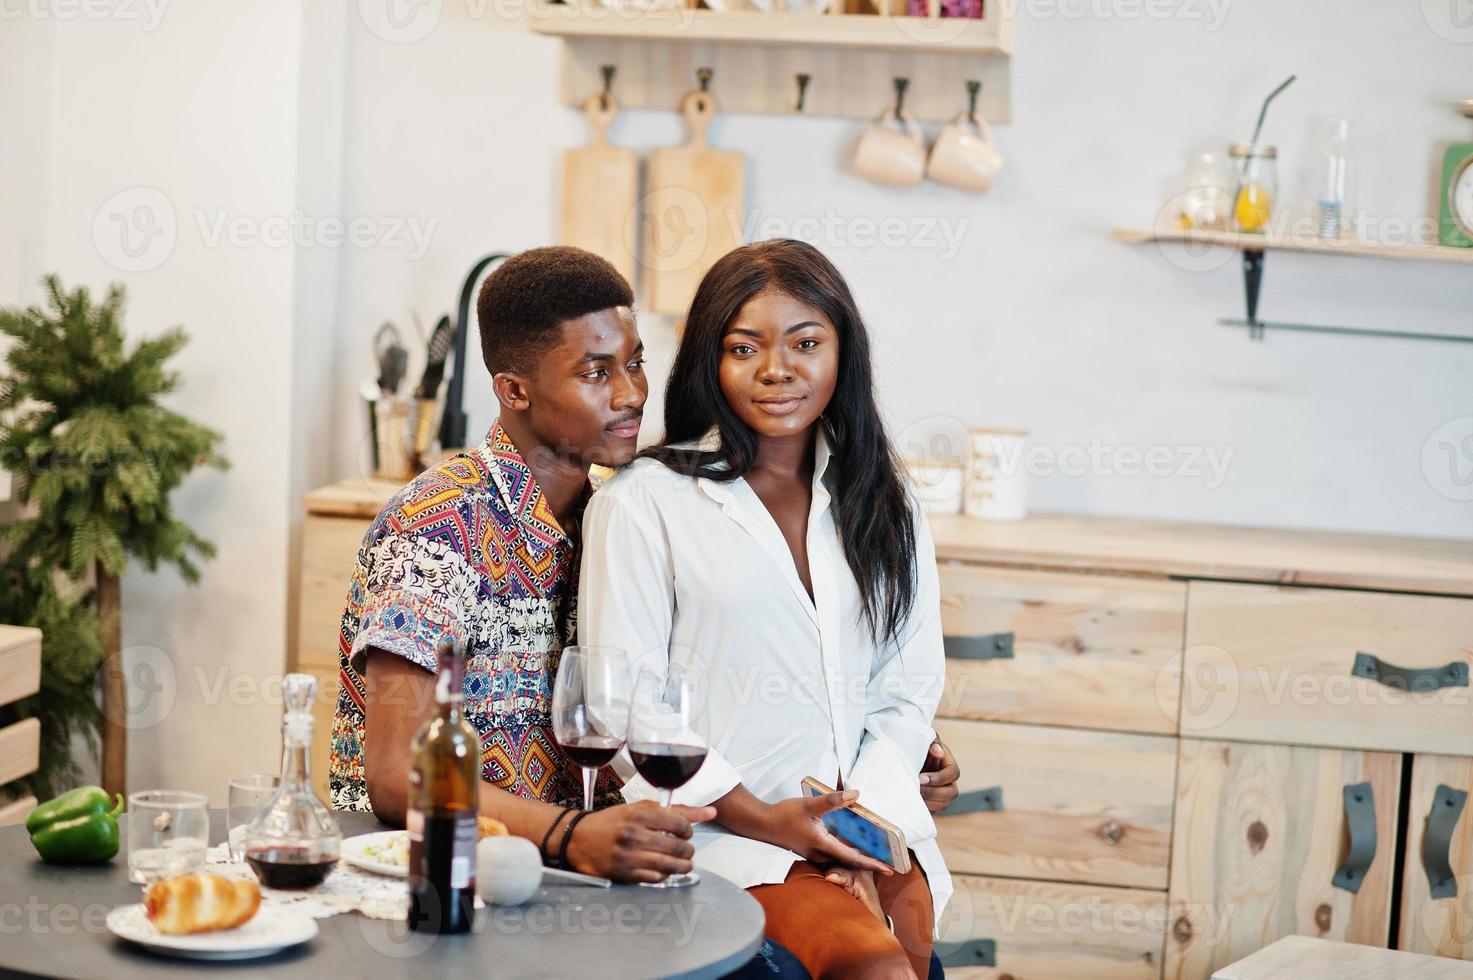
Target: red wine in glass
x,y
591,751
666,765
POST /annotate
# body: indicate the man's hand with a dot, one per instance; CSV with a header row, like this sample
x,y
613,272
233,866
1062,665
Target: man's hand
x,y
939,775
633,842
860,884
797,824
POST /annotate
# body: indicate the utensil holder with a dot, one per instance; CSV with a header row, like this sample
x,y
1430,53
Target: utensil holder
x,y
404,429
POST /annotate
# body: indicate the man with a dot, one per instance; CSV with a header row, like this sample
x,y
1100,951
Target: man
x,y
482,549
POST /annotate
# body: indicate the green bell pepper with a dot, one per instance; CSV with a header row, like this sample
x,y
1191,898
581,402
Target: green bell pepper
x,y
77,827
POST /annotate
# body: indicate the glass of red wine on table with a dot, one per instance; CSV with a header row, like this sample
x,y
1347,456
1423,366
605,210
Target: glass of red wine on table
x,y
590,709
665,749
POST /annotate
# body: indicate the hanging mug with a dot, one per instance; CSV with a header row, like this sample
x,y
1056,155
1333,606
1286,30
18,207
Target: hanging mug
x,y
890,150
965,157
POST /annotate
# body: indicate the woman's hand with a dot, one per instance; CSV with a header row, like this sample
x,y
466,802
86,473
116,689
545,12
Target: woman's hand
x,y
797,824
860,884
939,775
633,842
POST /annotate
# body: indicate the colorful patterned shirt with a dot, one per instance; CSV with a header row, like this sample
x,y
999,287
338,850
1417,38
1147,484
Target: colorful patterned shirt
x,y
468,550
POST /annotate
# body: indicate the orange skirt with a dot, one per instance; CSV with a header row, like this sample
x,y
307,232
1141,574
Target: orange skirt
x,y
835,936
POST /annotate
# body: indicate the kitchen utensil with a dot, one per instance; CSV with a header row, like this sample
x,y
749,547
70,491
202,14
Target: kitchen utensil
x,y
964,155
436,351
890,149
997,481
392,358
692,210
600,187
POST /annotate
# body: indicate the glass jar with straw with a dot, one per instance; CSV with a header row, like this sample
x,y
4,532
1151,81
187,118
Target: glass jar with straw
x,y
1257,171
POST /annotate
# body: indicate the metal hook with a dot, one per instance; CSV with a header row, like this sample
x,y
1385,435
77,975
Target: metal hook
x,y
901,84
703,75
603,99
803,79
973,88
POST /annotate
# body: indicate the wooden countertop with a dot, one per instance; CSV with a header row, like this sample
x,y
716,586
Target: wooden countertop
x,y
1135,546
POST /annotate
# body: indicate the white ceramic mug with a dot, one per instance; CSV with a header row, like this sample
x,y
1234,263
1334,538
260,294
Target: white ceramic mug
x,y
997,481
891,151
964,155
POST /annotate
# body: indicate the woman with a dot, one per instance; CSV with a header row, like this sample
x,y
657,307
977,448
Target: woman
x,y
771,540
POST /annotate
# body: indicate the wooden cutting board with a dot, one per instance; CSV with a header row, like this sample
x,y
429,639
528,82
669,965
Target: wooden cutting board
x,y
692,212
600,183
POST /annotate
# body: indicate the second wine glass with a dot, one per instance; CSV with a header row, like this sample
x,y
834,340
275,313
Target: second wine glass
x,y
590,709
665,749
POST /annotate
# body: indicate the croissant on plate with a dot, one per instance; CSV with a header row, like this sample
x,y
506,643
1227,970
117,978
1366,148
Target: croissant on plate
x,y
200,903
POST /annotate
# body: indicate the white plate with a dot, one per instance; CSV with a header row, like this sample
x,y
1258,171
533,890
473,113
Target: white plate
x,y
267,932
354,851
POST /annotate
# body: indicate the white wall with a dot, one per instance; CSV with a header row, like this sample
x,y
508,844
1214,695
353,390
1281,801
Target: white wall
x,y
1038,320
196,115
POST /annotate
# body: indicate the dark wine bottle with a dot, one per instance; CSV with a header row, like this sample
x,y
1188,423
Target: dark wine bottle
x,y
441,820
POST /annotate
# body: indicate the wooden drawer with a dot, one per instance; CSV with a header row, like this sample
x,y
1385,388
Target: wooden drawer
x,y
16,811
1261,832
1041,930
1086,651
20,749
20,662
1270,664
1091,807
1439,837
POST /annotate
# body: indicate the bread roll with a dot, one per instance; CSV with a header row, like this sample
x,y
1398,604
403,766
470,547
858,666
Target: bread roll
x,y
200,903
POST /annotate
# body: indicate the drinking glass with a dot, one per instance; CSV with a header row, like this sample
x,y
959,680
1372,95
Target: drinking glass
x,y
247,794
168,831
590,709
665,750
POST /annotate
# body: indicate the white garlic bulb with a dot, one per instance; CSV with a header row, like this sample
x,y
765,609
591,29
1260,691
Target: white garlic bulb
x,y
508,870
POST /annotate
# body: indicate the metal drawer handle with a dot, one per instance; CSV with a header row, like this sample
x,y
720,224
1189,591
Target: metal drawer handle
x,y
975,801
973,952
992,646
1360,817
1447,807
1372,667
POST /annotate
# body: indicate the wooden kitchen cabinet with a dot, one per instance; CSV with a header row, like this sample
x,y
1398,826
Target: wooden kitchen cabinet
x,y
1091,807
1086,651
1327,667
1261,833
999,928
1171,713
1439,838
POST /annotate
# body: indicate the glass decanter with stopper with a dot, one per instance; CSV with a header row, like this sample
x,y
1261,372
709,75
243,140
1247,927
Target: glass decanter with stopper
x,y
293,840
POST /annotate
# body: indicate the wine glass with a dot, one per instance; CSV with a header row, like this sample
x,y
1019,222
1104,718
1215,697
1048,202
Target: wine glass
x,y
665,750
590,709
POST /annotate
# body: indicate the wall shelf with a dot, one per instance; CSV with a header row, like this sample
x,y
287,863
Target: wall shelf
x,y
1246,242
850,57
1254,246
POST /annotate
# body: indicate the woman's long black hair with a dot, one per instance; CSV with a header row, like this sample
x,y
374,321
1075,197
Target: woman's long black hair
x,y
872,509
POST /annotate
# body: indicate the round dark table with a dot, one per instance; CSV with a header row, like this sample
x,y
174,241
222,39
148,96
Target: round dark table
x,y
52,924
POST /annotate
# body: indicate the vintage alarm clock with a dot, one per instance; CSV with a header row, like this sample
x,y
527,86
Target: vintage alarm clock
x,y
1455,221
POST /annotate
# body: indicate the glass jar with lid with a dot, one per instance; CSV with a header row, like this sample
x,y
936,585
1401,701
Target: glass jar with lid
x,y
1257,186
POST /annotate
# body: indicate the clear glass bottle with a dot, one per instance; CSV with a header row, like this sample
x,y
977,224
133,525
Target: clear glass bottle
x,y
1332,191
1257,186
293,841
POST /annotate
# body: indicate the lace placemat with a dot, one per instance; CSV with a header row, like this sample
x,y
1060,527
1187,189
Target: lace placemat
x,y
346,889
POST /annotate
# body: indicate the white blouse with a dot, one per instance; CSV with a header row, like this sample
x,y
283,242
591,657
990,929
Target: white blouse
x,y
788,687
